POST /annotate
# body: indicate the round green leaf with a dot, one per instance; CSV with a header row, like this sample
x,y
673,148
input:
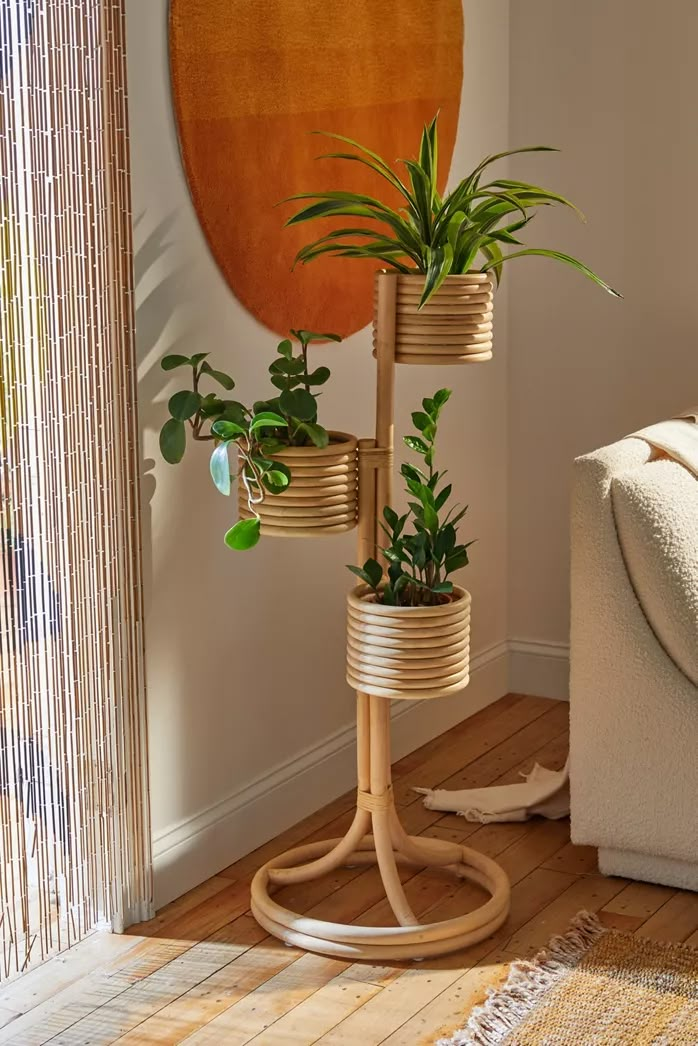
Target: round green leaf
x,y
299,404
318,377
173,361
220,376
184,405
268,419
173,441
244,535
319,436
285,349
228,429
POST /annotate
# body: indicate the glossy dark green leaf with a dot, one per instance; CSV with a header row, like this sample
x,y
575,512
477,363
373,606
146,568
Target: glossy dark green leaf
x,y
220,376
317,435
318,377
441,397
285,349
374,571
197,358
173,361
277,479
245,534
416,444
297,403
228,429
267,419
173,441
442,497
184,405
219,467
420,420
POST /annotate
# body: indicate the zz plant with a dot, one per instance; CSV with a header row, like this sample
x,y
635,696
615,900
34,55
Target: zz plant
x,y
433,234
288,419
422,549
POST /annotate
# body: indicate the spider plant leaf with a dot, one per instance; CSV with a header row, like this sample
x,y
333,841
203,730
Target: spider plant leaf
x,y
388,259
330,209
494,256
383,170
421,187
454,228
440,262
511,152
559,256
377,159
545,195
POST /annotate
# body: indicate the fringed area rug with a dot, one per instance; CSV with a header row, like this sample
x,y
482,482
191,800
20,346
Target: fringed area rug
x,y
592,987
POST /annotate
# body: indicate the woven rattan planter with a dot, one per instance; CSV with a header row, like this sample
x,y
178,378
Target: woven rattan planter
x,y
407,652
322,497
455,326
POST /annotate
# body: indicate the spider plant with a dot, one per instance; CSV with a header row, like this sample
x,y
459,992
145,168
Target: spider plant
x,y
433,234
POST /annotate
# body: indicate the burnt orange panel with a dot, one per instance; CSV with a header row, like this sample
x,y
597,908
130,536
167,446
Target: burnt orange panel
x,y
251,79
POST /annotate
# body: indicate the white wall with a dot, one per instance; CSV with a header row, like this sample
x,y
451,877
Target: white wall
x,y
614,86
250,717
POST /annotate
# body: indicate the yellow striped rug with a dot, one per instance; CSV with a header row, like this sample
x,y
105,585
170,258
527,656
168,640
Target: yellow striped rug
x,y
592,987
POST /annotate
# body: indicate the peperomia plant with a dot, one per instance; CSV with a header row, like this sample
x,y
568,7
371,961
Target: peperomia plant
x,y
433,234
288,419
422,549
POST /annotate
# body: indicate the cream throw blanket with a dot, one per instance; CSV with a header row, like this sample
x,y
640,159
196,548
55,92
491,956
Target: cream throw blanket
x,y
546,792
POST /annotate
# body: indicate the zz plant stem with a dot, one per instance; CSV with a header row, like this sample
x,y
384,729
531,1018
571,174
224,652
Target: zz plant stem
x,y
422,549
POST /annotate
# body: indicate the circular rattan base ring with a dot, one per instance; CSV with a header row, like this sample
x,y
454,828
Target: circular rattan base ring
x,y
382,942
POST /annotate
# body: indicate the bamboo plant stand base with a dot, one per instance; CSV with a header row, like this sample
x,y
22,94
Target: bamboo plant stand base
x,y
388,846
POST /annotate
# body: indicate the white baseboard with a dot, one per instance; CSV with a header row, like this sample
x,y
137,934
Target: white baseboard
x,y
537,668
199,847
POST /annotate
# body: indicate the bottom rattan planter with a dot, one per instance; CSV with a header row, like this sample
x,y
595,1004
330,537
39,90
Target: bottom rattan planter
x,y
407,652
322,497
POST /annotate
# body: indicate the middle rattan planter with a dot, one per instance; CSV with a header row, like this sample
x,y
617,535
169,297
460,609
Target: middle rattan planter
x,y
407,652
322,497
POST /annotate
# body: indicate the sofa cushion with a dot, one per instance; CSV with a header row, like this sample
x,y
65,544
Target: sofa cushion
x,y
656,512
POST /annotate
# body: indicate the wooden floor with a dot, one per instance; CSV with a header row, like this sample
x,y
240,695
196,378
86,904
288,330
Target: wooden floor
x,y
203,972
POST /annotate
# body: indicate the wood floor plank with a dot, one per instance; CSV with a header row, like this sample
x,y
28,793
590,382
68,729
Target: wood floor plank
x,y
512,751
210,998
588,893
387,1011
240,1023
639,900
580,860
676,920
170,912
204,972
324,1010
440,767
451,1007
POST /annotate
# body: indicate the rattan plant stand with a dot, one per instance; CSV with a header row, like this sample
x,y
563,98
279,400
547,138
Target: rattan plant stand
x,y
376,835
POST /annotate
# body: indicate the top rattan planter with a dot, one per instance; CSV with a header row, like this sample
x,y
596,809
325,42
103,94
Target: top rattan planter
x,y
455,326
322,497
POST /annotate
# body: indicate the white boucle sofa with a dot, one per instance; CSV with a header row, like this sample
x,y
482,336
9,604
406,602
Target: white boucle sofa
x,y
634,663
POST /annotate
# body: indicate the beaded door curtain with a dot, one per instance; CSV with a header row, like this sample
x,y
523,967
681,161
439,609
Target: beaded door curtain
x,y
74,820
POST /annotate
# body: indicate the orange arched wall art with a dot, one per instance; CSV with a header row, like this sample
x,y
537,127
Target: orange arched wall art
x,y
251,79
